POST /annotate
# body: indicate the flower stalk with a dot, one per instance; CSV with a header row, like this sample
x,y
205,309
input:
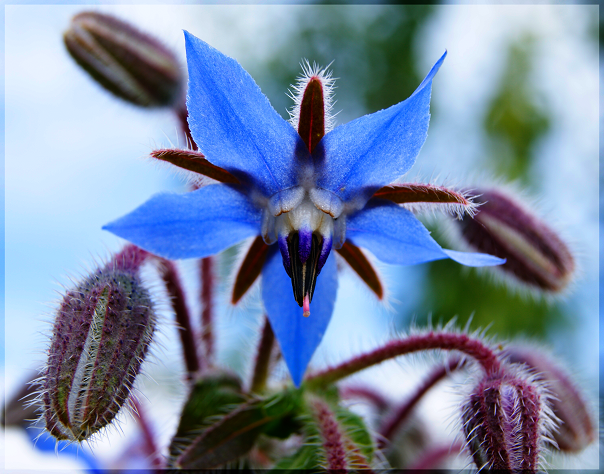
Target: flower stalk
x,y
331,437
147,431
169,274
393,423
207,307
263,358
421,342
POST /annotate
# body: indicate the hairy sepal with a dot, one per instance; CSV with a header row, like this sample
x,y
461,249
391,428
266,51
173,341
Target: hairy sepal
x,y
195,162
418,197
361,265
249,269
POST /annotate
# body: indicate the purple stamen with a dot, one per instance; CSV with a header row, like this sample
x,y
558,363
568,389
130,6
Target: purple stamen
x,y
325,249
282,242
304,244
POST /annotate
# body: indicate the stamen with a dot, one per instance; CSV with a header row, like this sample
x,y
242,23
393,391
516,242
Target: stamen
x,y
304,272
306,306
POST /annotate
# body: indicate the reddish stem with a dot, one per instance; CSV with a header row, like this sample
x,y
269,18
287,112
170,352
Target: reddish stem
x,y
421,342
175,291
432,458
393,424
181,114
333,442
129,259
372,396
263,358
150,446
207,307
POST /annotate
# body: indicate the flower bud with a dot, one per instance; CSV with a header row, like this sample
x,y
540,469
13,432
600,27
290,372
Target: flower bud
x,y
505,422
576,429
100,337
19,410
535,254
126,62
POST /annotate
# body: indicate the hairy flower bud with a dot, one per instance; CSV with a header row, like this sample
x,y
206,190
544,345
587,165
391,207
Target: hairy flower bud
x,y
535,253
126,62
505,421
576,429
100,337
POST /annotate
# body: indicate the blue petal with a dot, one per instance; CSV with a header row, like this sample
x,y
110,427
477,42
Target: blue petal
x,y
374,150
395,236
234,124
298,336
191,225
45,442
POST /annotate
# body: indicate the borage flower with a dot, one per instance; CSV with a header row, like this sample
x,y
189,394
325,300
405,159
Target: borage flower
x,y
308,190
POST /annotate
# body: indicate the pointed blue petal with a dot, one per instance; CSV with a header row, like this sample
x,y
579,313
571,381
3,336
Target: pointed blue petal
x,y
394,235
471,259
374,150
298,336
234,124
191,225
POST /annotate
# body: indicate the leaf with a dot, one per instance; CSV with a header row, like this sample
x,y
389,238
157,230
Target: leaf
x,y
355,429
235,434
212,396
307,458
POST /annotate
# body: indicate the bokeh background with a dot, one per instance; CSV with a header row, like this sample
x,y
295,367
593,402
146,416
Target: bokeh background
x,y
516,101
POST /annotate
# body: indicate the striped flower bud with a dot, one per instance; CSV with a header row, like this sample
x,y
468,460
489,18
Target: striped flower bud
x,y
505,422
126,62
576,429
535,254
100,337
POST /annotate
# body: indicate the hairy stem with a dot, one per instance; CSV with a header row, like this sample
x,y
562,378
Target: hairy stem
x,y
130,258
421,342
181,311
207,305
150,445
263,358
181,114
432,458
333,442
372,396
393,424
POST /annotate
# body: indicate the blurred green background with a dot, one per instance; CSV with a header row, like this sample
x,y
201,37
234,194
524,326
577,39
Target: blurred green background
x,y
376,57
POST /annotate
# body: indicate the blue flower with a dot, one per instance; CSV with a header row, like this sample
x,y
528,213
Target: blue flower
x,y
305,190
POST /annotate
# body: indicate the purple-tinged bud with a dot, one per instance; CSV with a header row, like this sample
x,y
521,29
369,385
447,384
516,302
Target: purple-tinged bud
x,y
505,422
535,253
331,437
130,64
20,409
576,428
100,337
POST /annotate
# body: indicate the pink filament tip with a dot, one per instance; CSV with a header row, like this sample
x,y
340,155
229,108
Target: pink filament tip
x,y
306,306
